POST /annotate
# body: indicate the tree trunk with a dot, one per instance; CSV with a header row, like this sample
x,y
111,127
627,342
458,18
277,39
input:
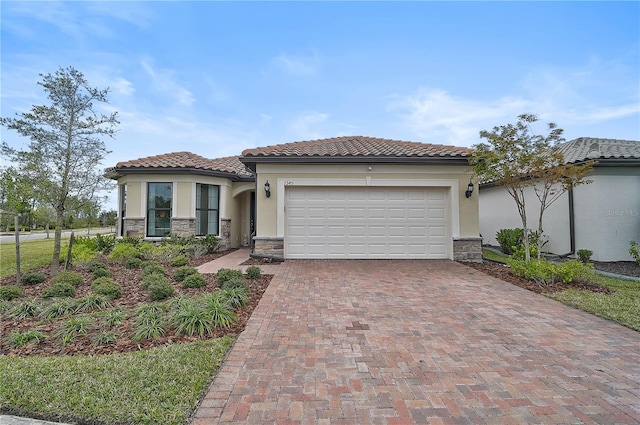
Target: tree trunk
x,y
55,261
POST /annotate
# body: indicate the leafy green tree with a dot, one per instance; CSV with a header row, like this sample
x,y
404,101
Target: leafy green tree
x,y
66,145
16,196
516,158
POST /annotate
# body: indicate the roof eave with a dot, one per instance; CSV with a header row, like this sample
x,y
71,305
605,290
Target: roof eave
x,y
118,173
252,161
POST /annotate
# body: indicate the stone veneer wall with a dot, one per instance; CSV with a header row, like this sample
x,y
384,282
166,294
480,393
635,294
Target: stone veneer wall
x,y
225,233
467,249
183,227
134,227
268,247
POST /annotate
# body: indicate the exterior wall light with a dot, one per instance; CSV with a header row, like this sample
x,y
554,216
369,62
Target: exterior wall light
x,y
267,189
469,189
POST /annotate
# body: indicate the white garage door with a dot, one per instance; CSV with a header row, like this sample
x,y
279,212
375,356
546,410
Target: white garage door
x,y
367,222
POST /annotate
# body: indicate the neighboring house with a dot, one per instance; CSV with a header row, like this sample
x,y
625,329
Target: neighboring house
x,y
602,216
343,197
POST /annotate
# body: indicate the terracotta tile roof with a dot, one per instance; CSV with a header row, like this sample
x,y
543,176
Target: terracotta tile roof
x,y
356,146
186,160
585,148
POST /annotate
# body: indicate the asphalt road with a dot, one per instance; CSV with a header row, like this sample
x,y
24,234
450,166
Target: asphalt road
x,y
31,236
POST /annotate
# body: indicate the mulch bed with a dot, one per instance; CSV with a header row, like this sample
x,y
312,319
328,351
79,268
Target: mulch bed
x,y
133,296
503,272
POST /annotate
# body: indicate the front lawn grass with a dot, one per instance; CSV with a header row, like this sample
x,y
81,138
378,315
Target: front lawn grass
x,y
33,254
623,306
494,256
158,386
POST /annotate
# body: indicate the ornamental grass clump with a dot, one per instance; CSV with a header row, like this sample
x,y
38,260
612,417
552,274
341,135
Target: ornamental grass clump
x,y
149,322
29,308
57,308
234,297
18,339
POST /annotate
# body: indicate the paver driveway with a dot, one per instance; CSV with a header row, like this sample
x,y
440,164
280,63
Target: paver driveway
x,y
403,342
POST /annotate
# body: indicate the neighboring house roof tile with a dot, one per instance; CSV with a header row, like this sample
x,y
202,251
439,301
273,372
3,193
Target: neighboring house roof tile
x,y
586,148
356,146
184,160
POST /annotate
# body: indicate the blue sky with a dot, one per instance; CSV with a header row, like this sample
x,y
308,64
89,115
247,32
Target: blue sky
x,y
215,78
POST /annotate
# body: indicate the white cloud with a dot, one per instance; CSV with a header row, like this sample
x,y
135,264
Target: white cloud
x,y
438,117
299,65
123,86
163,80
301,127
584,100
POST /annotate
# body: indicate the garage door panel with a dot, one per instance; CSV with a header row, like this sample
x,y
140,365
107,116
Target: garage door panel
x,y
366,223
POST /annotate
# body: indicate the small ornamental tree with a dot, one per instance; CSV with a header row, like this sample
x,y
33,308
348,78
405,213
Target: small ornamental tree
x,y
65,147
516,158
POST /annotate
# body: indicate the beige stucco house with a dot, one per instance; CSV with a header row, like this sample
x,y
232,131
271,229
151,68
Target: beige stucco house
x,y
344,197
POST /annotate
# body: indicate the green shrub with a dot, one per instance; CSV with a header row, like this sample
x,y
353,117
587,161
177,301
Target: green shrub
x,y
83,255
634,251
572,270
73,278
253,272
133,263
58,290
509,239
180,260
9,292
32,278
152,267
161,290
97,265
122,252
225,275
182,272
546,273
584,255
164,253
107,287
105,243
194,281
152,278
101,273
18,339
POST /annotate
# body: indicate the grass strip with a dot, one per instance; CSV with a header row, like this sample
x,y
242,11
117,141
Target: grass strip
x,y
494,256
158,386
33,254
623,306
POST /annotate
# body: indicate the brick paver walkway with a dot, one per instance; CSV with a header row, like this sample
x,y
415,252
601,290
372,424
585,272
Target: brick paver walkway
x,y
404,342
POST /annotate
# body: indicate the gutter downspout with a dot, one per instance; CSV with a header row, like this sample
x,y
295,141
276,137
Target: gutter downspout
x,y
572,226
